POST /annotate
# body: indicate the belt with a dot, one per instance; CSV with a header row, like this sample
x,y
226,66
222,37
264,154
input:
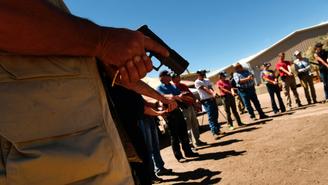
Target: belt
x,y
209,99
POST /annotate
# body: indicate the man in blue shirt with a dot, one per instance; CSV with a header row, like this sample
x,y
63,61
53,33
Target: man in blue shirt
x,y
245,84
175,120
303,68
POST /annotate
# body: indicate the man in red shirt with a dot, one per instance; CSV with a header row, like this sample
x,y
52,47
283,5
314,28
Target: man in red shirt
x,y
189,113
288,80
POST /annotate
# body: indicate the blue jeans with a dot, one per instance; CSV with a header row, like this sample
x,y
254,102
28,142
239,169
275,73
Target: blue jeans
x,y
212,112
249,95
274,89
324,78
149,129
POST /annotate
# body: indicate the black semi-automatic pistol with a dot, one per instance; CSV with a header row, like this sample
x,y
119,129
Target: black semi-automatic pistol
x,y
175,62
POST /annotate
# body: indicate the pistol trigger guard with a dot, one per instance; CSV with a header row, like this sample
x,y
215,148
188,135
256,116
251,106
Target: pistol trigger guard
x,y
157,68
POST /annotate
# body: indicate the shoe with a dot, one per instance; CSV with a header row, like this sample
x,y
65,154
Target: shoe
x,y
264,116
232,128
299,105
163,171
242,125
192,154
216,136
221,133
253,118
182,160
315,101
309,102
200,143
289,107
156,180
243,112
277,112
193,148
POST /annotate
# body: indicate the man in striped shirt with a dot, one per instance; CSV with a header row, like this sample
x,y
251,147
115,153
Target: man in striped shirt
x,y
245,84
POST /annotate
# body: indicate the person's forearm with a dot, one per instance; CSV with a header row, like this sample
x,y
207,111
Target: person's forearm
x,y
141,87
39,28
283,70
244,80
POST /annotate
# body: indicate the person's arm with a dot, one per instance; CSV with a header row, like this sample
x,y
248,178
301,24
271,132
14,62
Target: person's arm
x,y
320,60
225,90
142,88
268,80
209,90
39,28
297,67
307,65
286,71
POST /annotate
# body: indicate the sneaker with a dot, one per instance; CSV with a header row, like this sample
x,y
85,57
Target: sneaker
x,y
289,107
163,171
200,143
182,160
192,154
193,148
156,180
253,118
299,105
221,133
242,125
264,116
277,112
232,128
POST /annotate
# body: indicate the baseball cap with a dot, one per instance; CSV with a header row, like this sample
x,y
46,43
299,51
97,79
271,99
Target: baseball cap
x,y
222,73
174,75
201,72
267,64
296,53
164,73
318,44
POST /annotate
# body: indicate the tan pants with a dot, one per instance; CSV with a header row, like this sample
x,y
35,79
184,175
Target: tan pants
x,y
55,125
240,104
289,83
192,124
307,81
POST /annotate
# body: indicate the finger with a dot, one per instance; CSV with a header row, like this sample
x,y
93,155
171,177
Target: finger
x,y
123,76
152,45
140,65
132,71
176,98
148,63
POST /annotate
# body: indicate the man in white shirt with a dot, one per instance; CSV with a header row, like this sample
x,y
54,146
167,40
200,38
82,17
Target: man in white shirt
x,y
303,68
207,98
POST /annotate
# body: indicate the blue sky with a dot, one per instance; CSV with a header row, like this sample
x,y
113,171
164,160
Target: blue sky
x,y
209,34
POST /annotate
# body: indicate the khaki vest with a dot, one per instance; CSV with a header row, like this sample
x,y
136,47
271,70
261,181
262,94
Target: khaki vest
x,y
55,124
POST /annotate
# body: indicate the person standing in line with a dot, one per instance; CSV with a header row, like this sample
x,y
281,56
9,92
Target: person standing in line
x,y
149,128
303,68
175,120
208,99
238,100
245,83
321,57
272,87
288,81
228,95
189,113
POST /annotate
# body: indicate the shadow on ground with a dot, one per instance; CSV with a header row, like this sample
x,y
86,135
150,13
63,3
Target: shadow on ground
x,y
199,173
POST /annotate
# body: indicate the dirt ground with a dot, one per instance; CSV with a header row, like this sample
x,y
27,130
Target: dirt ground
x,y
290,148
